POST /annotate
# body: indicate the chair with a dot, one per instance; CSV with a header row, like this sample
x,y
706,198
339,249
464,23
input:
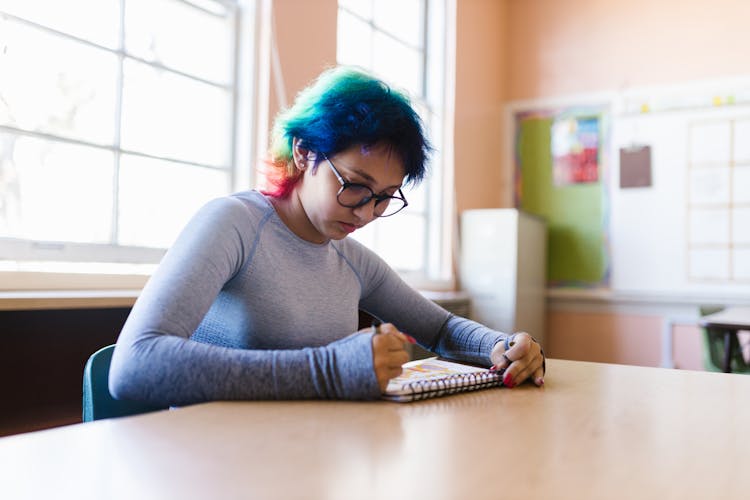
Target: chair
x,y
714,347
98,403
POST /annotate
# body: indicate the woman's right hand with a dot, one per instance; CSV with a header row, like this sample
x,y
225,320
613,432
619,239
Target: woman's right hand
x,y
388,353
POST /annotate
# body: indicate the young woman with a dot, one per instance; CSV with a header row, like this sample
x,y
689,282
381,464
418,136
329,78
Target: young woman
x,y
259,296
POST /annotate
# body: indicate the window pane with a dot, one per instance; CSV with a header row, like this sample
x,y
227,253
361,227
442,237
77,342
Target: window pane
x,y
157,198
92,20
362,8
400,241
394,50
54,191
58,86
397,64
435,70
165,114
355,41
415,195
181,37
400,18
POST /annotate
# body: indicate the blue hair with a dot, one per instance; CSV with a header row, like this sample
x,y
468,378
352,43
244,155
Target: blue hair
x,y
343,107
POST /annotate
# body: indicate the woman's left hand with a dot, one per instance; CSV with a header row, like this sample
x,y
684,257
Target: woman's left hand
x,y
523,360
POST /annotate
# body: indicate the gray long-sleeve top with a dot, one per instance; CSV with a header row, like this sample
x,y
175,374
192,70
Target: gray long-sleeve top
x,y
242,308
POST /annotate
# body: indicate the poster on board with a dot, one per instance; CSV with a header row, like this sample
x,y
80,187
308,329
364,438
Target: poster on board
x,y
575,149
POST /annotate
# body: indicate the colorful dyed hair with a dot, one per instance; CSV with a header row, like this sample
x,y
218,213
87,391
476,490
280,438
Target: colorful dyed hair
x,y
343,107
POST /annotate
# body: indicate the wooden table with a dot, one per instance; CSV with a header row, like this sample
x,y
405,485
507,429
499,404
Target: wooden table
x,y
594,431
728,321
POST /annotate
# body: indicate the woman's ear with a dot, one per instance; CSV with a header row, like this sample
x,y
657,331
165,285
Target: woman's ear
x,y
301,154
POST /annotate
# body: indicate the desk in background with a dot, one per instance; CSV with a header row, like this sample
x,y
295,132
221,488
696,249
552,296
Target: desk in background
x,y
728,321
594,431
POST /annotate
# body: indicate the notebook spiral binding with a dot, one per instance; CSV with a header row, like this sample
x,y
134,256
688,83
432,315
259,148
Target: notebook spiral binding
x,y
460,382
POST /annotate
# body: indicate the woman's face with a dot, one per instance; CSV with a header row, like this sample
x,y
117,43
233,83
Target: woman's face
x,y
376,167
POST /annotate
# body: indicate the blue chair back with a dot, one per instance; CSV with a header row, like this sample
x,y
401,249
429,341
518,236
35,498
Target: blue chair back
x,y
98,403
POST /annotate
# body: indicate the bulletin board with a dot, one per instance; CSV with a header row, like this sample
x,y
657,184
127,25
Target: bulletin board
x,y
561,171
669,212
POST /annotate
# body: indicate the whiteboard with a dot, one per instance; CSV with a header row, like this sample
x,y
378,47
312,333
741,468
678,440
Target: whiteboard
x,y
689,232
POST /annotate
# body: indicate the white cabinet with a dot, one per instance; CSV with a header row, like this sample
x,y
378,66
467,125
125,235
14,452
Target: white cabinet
x,y
502,267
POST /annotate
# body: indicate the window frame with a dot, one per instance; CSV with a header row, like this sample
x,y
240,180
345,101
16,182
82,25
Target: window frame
x,y
55,261
437,95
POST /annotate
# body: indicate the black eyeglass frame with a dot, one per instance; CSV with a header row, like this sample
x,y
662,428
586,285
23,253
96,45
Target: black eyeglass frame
x,y
367,199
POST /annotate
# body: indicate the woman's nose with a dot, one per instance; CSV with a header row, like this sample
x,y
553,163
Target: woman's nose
x,y
367,211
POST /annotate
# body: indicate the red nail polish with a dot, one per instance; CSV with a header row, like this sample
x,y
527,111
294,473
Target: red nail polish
x,y
508,380
411,339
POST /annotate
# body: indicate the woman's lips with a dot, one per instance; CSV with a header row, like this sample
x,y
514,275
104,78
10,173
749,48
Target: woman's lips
x,y
349,228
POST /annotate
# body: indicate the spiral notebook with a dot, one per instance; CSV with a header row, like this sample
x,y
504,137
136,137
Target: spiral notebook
x,y
433,377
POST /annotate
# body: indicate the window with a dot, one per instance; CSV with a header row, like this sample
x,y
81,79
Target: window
x,y
406,43
118,119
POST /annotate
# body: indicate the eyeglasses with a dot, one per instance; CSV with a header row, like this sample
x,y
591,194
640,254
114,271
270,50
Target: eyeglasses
x,y
353,195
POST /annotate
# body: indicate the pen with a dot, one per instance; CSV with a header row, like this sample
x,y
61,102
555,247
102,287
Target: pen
x,y
376,325
376,330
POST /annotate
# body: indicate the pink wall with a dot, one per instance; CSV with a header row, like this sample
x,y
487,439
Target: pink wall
x,y
604,338
688,348
305,33
481,82
577,46
620,338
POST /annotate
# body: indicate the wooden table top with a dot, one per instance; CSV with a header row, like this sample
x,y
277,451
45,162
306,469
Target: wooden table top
x,y
594,431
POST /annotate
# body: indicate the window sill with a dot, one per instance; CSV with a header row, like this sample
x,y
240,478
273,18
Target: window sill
x,y
26,287
30,286
61,299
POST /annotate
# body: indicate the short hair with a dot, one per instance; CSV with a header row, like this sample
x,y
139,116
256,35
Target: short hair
x,y
343,107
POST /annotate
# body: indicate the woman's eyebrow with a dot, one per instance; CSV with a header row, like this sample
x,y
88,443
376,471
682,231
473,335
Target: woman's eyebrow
x,y
369,178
